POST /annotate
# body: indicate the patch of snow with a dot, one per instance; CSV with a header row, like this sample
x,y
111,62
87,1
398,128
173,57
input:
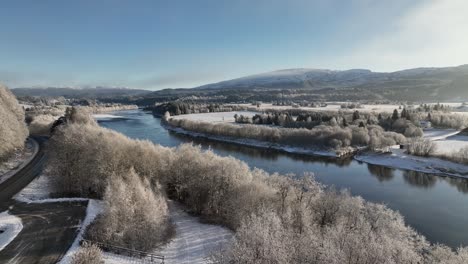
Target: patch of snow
x,y
10,227
451,145
38,189
194,242
95,207
331,106
215,117
111,258
398,159
438,134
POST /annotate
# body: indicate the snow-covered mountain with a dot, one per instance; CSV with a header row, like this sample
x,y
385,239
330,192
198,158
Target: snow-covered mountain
x,y
321,78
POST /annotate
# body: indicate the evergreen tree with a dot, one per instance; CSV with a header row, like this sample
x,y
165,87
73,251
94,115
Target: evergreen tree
x,y
356,115
403,113
395,115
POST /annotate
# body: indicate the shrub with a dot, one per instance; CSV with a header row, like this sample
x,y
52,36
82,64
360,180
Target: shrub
x,y
88,254
421,147
41,125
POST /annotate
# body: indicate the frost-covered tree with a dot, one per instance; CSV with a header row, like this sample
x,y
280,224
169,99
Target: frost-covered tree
x,y
13,131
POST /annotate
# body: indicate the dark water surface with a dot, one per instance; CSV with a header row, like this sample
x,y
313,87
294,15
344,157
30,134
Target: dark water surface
x,y
435,206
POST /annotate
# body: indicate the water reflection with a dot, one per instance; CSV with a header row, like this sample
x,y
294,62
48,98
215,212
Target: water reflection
x,y
419,179
383,174
268,154
459,183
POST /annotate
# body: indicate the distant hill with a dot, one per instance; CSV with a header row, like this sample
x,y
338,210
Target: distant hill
x,y
443,83
88,93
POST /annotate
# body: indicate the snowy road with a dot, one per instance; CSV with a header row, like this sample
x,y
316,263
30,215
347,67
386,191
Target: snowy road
x,y
48,228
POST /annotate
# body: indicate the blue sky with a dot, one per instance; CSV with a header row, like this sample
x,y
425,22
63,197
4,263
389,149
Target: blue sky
x,y
169,44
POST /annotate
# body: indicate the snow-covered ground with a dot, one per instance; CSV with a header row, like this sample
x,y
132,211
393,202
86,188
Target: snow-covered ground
x,y
20,159
38,189
332,106
10,227
215,117
193,243
398,159
451,145
439,134
95,207
447,142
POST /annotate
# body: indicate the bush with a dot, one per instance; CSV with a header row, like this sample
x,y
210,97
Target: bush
x,y
421,147
41,125
88,254
13,129
136,215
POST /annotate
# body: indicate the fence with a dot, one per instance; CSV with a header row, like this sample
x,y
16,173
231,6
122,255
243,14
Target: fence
x,y
145,256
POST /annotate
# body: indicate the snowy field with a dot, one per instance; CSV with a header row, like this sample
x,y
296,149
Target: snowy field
x,y
447,141
451,145
194,242
334,106
398,159
10,227
439,134
216,117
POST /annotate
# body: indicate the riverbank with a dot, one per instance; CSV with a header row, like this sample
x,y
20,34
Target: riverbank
x,y
395,159
398,159
264,144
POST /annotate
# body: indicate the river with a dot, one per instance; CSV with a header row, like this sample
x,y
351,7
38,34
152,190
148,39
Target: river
x,y
435,206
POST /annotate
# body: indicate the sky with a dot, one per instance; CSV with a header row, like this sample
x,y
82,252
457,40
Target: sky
x,y
173,44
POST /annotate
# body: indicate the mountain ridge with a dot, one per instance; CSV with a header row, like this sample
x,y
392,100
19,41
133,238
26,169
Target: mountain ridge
x,y
300,78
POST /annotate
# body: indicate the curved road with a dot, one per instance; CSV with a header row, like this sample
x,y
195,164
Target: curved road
x,y
49,229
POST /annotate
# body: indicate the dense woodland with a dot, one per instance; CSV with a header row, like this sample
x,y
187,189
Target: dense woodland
x,y
184,108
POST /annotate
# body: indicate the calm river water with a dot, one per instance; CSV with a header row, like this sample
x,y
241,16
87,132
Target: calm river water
x,y
435,206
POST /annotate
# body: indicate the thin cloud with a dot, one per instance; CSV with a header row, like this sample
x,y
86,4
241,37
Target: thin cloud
x,y
430,35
